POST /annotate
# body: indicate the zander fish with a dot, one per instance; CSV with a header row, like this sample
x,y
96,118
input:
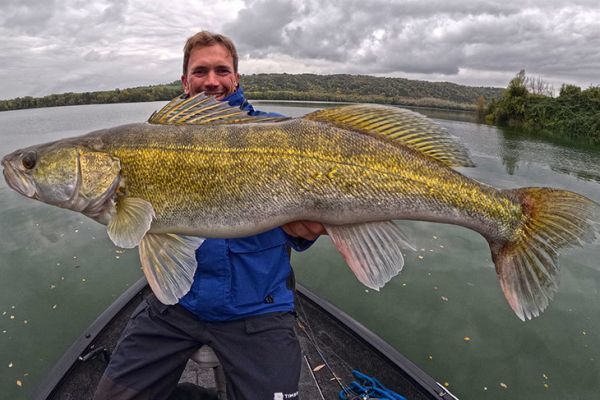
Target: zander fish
x,y
200,168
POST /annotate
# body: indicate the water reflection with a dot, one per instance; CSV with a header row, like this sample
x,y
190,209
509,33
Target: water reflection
x,y
564,156
510,151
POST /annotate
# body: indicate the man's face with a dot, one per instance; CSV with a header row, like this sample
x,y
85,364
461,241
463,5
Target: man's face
x,y
210,70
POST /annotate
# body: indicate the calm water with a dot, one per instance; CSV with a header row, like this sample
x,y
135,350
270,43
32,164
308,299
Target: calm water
x,y
445,311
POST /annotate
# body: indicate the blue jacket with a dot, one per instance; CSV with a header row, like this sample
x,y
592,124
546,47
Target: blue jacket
x,y
237,278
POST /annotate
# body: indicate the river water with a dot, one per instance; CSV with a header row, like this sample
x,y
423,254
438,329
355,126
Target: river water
x,y
445,311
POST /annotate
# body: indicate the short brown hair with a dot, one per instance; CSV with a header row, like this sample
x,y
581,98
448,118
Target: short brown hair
x,y
205,39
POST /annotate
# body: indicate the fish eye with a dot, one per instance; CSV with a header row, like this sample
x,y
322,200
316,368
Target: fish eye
x,y
29,160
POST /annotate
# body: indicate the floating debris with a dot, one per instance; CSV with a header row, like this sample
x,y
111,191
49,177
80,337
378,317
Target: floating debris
x,y
446,384
83,280
76,230
19,383
435,237
583,333
546,385
420,257
366,290
503,385
430,357
52,286
441,246
12,317
117,257
545,377
467,339
54,307
10,365
444,298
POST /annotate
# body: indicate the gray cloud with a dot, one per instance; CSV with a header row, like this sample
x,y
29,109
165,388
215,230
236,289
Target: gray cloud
x,y
82,45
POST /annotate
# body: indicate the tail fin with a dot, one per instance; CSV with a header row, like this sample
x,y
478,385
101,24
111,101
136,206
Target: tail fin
x,y
528,265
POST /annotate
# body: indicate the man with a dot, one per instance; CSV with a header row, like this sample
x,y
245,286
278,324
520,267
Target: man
x,y
241,302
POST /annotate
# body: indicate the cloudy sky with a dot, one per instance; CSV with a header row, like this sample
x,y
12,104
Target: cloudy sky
x,y
56,46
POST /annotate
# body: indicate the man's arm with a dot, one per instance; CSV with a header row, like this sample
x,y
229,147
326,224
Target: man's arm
x,y
308,230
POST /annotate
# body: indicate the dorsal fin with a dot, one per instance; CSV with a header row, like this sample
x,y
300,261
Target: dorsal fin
x,y
203,110
406,127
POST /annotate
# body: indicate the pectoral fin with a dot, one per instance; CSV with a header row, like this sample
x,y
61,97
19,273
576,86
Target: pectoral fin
x,y
169,263
371,250
131,221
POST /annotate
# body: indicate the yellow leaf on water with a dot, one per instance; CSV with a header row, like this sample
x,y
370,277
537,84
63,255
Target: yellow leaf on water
x,y
466,338
19,383
318,367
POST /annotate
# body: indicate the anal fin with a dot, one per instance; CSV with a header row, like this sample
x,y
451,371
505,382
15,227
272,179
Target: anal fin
x,y
371,250
169,263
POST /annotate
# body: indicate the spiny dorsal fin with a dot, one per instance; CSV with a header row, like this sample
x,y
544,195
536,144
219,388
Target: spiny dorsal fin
x,y
406,127
203,110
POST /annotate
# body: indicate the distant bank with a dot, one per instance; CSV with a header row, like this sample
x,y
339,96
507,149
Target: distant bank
x,y
302,87
530,103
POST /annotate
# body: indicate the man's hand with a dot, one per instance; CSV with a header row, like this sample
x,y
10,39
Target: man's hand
x,y
308,230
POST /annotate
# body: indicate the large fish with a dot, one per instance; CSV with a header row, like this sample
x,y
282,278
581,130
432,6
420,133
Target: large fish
x,y
199,168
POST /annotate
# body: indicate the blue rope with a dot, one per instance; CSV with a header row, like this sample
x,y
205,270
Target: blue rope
x,y
366,387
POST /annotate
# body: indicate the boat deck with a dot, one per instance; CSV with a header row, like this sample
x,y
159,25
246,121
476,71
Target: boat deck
x,y
332,346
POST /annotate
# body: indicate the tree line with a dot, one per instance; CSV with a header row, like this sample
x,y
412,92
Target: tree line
x,y
137,94
307,87
528,103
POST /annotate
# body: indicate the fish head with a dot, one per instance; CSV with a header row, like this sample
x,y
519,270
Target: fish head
x,y
64,174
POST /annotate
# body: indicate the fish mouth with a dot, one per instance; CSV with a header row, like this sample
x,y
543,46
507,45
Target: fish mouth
x,y
17,180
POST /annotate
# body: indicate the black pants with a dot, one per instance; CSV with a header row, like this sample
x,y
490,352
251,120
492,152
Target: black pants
x,y
260,355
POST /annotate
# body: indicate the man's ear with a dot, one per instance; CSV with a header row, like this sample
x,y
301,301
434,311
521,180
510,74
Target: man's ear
x,y
184,84
237,78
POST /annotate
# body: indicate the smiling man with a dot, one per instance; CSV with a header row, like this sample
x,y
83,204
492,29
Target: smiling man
x,y
241,302
210,66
